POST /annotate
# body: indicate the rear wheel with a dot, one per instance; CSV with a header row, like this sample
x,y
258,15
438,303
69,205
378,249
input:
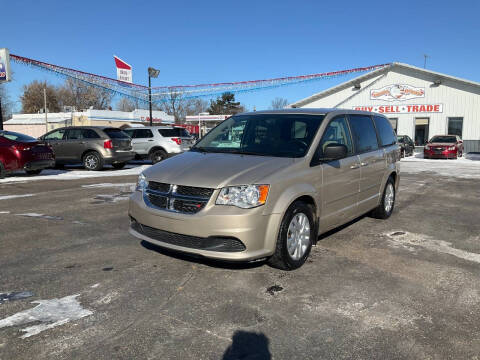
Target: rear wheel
x,y
119,165
2,171
158,155
385,208
93,161
33,172
295,238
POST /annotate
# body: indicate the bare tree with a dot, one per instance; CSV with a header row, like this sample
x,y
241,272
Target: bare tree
x,y
33,99
195,106
5,101
279,103
125,104
83,96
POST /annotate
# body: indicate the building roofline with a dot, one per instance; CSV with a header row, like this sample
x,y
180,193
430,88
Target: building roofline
x,y
372,74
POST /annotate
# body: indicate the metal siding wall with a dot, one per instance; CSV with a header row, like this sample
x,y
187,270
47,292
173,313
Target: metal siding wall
x,y
459,101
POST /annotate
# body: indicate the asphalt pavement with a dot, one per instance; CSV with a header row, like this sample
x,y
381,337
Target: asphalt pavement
x,y
75,285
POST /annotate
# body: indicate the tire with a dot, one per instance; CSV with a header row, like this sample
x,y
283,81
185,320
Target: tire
x,y
33,172
297,215
2,171
93,161
385,208
158,155
119,165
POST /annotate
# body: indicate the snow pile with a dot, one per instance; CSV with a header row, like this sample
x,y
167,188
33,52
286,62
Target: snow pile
x,y
73,174
460,168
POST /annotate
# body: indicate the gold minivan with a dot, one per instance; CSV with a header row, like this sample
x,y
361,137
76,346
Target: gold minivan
x,y
265,185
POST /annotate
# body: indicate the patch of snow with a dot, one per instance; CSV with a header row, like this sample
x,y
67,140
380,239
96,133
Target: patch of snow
x,y
460,168
110,185
473,156
407,240
50,313
4,212
8,197
95,285
75,174
48,217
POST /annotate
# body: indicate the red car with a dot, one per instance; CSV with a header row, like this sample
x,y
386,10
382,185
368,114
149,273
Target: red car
x,y
19,151
443,147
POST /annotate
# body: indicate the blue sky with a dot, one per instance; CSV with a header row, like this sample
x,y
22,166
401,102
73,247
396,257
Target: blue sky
x,y
216,41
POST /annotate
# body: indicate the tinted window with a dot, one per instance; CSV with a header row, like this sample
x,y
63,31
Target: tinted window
x,y
114,133
385,131
55,135
129,132
280,135
337,132
444,139
174,132
363,133
143,133
74,134
16,136
455,126
90,134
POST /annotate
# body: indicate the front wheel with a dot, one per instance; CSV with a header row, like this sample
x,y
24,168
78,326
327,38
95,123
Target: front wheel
x,y
93,161
385,208
33,172
295,238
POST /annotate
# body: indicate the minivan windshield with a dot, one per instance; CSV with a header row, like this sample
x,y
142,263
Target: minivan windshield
x,y
278,135
444,139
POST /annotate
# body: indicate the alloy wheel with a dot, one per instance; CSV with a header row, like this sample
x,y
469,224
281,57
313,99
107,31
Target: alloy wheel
x,y
298,236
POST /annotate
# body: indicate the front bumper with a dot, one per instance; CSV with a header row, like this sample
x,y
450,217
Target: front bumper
x,y
39,164
445,154
250,227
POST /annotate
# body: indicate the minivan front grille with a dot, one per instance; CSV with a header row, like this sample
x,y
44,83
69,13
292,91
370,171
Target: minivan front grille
x,y
176,198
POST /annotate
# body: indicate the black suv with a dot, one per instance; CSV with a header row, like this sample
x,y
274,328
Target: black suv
x,y
407,147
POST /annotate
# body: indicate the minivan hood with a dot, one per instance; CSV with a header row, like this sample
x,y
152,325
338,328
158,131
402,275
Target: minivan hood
x,y
215,170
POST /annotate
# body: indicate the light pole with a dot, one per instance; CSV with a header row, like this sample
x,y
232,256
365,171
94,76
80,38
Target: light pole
x,y
151,73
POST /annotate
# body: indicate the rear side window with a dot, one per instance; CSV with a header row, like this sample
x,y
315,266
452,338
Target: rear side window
x,y
174,132
74,134
114,133
90,134
364,133
129,132
143,133
385,131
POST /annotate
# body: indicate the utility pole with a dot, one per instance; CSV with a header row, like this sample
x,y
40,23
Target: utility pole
x,y
1,115
425,60
151,73
45,108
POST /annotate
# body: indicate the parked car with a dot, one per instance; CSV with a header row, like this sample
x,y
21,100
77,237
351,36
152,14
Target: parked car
x,y
407,147
159,142
22,152
93,146
443,147
266,184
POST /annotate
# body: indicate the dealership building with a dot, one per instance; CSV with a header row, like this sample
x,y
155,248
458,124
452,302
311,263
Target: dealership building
x,y
419,103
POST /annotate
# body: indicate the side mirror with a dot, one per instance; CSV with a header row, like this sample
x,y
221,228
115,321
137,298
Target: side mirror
x,y
335,151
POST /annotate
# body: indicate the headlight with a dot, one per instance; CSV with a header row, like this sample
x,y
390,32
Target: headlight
x,y
452,148
427,147
141,183
245,196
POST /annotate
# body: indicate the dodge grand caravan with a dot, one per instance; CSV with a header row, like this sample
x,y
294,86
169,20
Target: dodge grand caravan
x,y
266,184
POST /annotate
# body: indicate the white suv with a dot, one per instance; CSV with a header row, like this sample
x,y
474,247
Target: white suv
x,y
159,142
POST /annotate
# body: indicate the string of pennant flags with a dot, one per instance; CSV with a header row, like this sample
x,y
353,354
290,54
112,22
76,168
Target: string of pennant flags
x,y
162,93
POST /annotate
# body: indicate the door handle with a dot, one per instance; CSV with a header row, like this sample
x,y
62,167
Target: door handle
x,y
355,166
151,140
364,163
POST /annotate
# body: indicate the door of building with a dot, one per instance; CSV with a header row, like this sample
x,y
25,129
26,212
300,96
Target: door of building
x,y
421,131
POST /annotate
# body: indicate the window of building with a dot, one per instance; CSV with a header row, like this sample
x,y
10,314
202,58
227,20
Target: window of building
x,y
385,131
363,133
455,126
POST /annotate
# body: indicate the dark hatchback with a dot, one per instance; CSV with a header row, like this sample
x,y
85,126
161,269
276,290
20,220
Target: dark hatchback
x,y
93,146
22,152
